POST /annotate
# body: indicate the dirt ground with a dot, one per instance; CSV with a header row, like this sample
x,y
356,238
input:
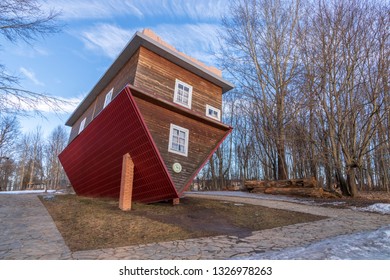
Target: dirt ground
x,y
87,223
222,217
92,223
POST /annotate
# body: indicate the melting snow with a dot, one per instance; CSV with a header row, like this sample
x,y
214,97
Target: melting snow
x,y
27,192
370,245
383,208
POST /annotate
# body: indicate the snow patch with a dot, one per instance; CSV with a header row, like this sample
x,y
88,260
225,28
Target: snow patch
x,y
28,192
370,245
383,208
336,203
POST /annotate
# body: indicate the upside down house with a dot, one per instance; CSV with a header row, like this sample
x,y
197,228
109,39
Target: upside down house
x,y
155,104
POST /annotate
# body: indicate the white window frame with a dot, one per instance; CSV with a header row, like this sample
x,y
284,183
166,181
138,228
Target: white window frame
x,y
171,147
177,97
82,125
208,108
108,98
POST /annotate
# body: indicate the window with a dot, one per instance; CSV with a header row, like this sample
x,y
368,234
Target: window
x,y
108,98
183,94
178,140
82,125
213,112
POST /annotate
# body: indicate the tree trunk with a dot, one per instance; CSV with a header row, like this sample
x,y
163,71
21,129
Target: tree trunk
x,y
306,192
280,137
260,186
351,180
221,176
342,183
213,173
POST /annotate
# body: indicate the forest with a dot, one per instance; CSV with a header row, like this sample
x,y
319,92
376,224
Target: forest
x,y
311,99
312,94
30,161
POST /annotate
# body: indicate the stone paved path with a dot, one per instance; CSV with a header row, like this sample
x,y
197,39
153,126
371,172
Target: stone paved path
x,y
27,232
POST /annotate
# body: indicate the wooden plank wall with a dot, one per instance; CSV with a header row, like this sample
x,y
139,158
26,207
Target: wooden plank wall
x,y
157,75
125,76
202,139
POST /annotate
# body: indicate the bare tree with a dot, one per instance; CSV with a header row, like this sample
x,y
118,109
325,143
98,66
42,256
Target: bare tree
x,y
36,173
23,148
7,170
314,91
55,144
29,159
24,20
260,37
346,40
33,162
9,130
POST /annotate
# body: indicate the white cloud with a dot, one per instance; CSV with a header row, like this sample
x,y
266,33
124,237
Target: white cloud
x,y
61,106
189,9
31,76
87,9
84,9
29,51
197,40
68,105
106,38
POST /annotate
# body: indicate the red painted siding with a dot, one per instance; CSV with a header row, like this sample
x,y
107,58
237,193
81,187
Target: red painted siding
x,y
93,160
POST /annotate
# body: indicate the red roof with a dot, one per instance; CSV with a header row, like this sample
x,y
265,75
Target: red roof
x,y
93,160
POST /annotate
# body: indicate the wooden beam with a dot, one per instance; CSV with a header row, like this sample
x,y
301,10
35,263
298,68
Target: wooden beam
x,y
126,192
175,201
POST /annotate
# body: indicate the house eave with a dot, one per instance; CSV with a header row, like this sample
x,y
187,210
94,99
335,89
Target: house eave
x,y
140,93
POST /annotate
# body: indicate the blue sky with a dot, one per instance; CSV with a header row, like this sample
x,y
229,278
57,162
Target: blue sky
x,y
70,63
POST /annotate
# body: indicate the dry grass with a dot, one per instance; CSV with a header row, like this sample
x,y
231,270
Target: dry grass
x,y
363,199
87,223
375,196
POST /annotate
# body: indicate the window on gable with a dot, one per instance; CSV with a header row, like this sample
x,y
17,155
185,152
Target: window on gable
x,y
108,98
183,94
213,112
178,140
82,125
